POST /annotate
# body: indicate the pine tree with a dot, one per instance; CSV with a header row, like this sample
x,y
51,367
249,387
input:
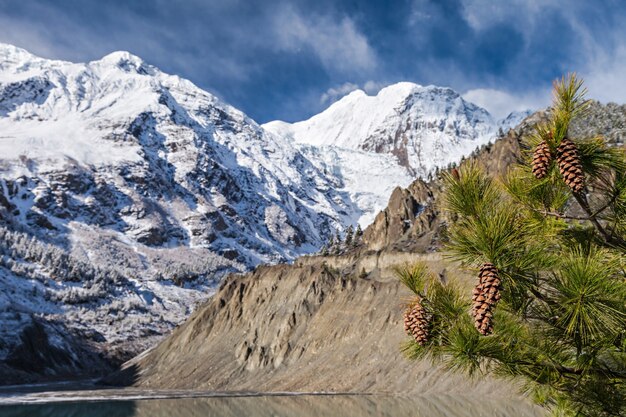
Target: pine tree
x,y
549,253
349,236
358,235
338,246
331,243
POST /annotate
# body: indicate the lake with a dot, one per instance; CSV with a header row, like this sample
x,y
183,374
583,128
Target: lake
x,y
276,406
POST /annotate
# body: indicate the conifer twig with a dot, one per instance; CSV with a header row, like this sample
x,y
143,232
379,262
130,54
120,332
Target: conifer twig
x,y
584,204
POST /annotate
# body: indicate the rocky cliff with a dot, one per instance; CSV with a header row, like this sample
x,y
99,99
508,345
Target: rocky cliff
x,y
413,216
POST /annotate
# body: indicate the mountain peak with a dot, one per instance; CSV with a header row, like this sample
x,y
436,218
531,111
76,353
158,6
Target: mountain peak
x,y
117,56
403,88
7,50
12,56
394,92
421,126
125,61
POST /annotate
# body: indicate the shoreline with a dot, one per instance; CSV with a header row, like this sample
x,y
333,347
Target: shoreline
x,y
186,403
40,394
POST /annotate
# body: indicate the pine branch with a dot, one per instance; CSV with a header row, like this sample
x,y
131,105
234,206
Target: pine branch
x,y
606,206
609,238
595,214
559,215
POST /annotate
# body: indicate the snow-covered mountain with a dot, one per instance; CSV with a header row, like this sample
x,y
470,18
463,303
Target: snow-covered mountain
x,y
126,193
128,169
117,143
423,127
513,120
376,143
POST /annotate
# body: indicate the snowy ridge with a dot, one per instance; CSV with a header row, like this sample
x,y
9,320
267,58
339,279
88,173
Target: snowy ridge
x,y
125,122
423,127
367,178
513,119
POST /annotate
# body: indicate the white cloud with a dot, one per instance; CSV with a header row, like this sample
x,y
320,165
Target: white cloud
x,y
36,40
481,14
600,58
373,87
337,43
605,78
335,93
500,103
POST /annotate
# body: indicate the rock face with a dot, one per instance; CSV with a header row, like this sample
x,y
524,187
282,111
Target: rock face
x,y
413,218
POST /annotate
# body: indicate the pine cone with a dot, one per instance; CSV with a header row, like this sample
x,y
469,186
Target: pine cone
x,y
570,166
485,296
541,160
417,322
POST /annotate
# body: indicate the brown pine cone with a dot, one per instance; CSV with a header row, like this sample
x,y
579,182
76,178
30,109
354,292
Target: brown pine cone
x,y
417,322
485,297
541,160
570,166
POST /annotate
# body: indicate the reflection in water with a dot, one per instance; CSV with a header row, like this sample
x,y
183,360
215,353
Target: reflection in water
x,y
280,406
84,409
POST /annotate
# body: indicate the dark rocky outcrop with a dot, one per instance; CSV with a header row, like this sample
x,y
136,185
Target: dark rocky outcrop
x,y
39,357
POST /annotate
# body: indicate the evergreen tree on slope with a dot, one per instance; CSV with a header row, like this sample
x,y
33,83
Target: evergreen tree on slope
x,y
349,236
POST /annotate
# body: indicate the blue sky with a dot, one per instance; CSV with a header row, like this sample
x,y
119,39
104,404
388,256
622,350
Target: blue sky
x,y
288,60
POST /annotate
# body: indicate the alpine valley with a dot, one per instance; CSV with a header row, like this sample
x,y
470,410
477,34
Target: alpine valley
x,y
127,194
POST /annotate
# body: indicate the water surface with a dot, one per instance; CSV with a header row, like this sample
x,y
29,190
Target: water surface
x,y
280,406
